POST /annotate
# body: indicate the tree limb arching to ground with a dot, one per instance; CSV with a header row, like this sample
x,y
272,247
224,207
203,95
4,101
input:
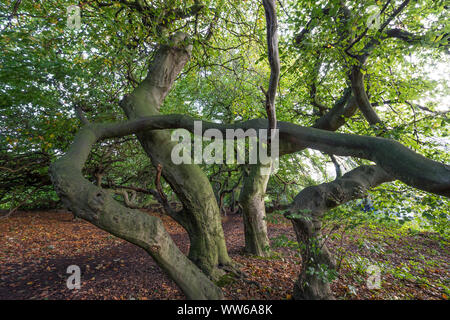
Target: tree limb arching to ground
x,y
97,206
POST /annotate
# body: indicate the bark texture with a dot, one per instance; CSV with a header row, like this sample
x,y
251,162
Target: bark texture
x,y
254,211
306,213
201,216
97,206
254,188
274,60
397,160
357,78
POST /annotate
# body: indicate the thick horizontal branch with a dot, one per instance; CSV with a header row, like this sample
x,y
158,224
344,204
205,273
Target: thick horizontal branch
x,y
80,114
316,200
402,35
298,38
274,60
397,160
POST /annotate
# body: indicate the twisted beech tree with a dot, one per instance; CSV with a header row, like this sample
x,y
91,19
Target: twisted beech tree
x,y
330,51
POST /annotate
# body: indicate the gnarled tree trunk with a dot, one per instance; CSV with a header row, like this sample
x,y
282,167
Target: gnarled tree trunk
x,y
201,216
254,210
306,213
316,259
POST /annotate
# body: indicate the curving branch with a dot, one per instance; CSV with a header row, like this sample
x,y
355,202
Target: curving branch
x,y
403,35
375,40
357,76
97,206
274,60
305,214
397,160
412,38
336,117
163,202
130,203
208,247
162,17
254,187
298,38
337,166
79,112
359,91
319,199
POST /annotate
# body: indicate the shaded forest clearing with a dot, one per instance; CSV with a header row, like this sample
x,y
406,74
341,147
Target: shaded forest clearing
x,y
37,247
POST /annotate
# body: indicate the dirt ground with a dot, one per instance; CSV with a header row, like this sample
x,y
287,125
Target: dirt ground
x,y
37,247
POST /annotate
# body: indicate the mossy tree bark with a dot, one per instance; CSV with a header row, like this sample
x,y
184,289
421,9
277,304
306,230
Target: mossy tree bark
x,y
306,212
254,211
97,206
201,216
317,261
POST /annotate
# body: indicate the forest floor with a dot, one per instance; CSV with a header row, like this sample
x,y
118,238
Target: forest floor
x,y
37,247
